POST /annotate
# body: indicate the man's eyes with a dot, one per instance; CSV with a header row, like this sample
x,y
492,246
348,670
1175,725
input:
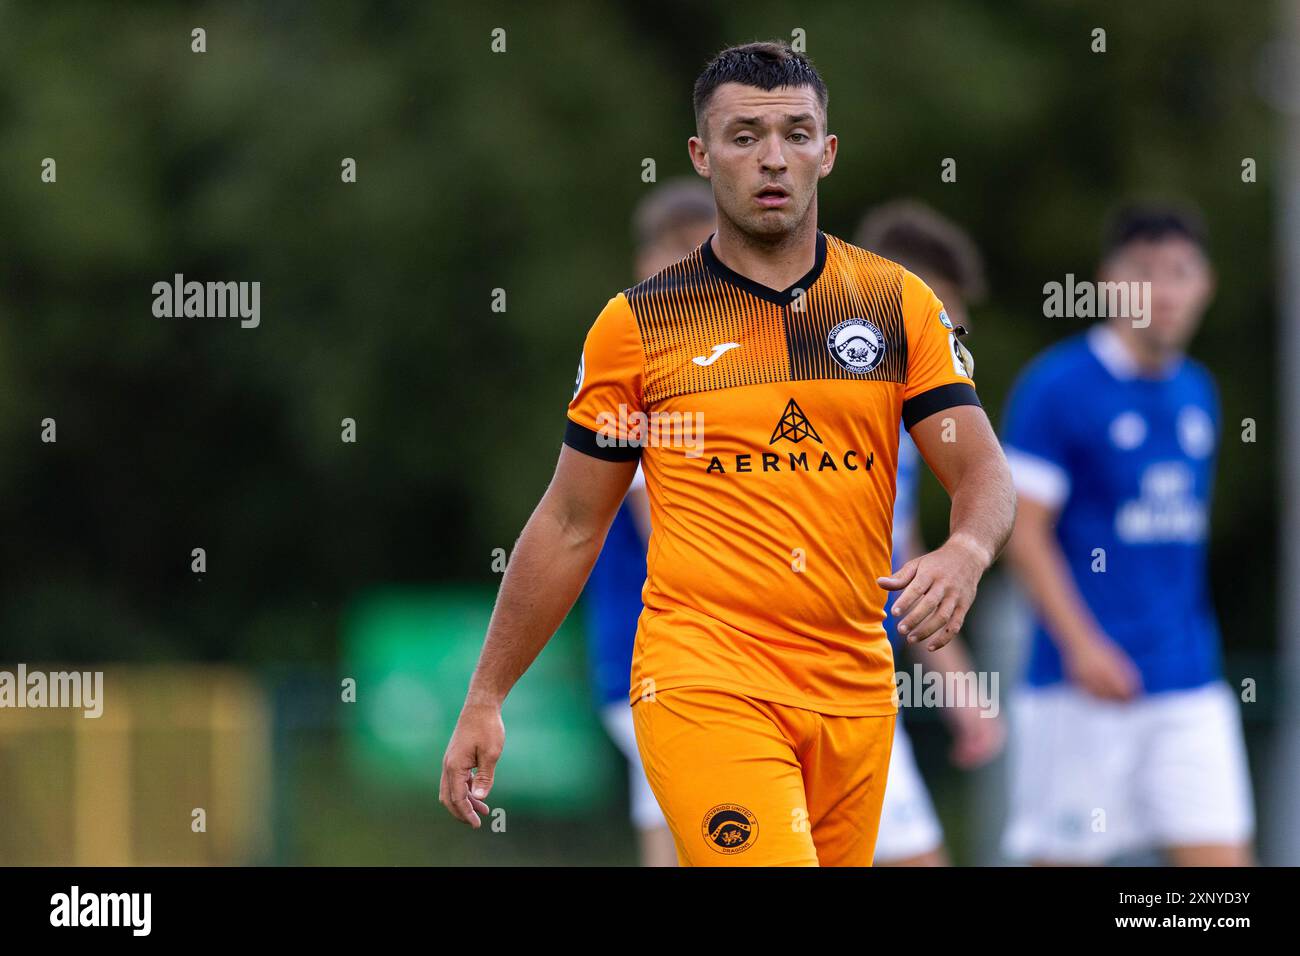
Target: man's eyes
x,y
746,139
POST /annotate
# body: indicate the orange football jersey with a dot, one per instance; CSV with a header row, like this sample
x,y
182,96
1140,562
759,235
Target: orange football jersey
x,y
767,426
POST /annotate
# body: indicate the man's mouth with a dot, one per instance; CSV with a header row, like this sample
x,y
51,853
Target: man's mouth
x,y
772,197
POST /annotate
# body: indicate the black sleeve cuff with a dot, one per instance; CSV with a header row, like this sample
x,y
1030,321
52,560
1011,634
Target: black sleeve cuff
x,y
920,407
586,441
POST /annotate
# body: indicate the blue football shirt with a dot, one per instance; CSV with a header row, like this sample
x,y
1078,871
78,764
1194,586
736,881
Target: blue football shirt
x,y
612,602
1129,460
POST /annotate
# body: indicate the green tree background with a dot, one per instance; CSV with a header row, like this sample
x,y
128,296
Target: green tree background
x,y
517,171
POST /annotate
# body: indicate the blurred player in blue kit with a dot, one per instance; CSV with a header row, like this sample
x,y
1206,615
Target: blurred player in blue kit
x,y
1126,737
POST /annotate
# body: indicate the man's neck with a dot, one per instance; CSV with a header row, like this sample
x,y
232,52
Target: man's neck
x,y
1151,362
778,264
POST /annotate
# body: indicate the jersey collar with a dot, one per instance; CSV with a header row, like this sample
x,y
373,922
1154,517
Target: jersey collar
x,y
757,289
1105,345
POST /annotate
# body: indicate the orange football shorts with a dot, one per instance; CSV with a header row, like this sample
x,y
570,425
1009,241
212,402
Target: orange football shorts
x,y
746,782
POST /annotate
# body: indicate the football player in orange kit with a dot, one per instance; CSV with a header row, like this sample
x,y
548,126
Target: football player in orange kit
x,y
760,383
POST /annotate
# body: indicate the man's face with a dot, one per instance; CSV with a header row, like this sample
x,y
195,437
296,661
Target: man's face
x,y
671,246
763,151
1182,283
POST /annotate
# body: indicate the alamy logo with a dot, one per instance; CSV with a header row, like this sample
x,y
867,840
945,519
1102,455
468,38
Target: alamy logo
x,y
74,908
633,428
77,690
933,688
1098,300
211,300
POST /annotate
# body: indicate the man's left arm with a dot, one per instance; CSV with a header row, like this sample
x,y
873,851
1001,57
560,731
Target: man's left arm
x,y
939,587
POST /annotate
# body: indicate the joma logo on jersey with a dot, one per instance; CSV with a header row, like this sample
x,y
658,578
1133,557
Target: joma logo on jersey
x,y
793,426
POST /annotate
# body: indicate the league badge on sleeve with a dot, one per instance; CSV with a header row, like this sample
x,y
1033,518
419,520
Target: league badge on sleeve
x,y
963,363
577,384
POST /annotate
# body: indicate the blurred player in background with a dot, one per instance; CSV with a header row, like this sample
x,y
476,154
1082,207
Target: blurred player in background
x,y
947,260
669,223
1126,737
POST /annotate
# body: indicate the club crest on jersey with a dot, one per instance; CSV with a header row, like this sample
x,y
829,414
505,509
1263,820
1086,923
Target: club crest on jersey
x,y
944,320
856,345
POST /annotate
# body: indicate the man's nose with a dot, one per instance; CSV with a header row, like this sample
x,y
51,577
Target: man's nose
x,y
773,155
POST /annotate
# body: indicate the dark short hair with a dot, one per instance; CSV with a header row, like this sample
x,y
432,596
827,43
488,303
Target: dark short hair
x,y
764,65
686,201
1151,222
922,241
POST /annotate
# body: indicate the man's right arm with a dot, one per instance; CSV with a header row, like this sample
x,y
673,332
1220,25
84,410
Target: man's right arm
x,y
544,576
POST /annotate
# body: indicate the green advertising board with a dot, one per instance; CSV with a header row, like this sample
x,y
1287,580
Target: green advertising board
x,y
412,653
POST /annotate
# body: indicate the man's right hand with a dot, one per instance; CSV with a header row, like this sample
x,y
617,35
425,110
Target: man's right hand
x,y
1101,668
476,745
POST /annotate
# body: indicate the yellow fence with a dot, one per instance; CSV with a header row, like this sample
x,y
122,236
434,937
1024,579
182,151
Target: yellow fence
x,y
176,771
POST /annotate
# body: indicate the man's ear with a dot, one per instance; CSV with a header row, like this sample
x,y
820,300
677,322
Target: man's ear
x,y
828,154
699,154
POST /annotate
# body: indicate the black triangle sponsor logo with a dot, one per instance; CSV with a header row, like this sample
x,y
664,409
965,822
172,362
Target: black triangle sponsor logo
x,y
794,426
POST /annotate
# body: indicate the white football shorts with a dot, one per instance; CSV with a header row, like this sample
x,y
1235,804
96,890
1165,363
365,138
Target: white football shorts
x,y
1092,779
